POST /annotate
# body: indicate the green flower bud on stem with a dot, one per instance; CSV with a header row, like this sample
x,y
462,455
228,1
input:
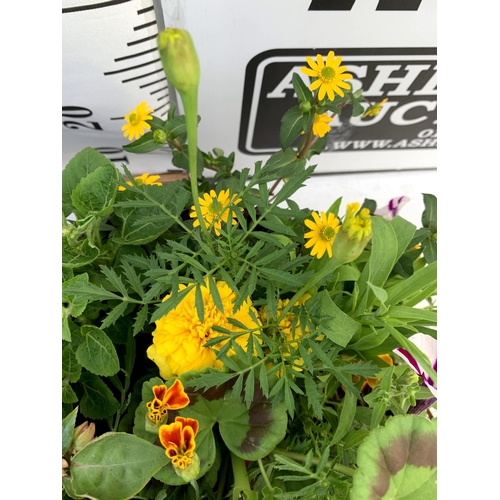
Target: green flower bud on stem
x,y
305,106
191,471
159,136
179,59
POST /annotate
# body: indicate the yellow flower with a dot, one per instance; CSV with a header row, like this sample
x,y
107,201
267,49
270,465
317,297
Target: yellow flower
x,y
179,337
329,77
320,124
357,226
137,121
215,209
143,179
322,234
375,109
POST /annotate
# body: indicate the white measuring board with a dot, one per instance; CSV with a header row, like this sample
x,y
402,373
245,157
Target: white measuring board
x,y
110,64
248,51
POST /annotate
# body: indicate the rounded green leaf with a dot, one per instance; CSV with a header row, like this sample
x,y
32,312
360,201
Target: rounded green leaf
x,y
115,466
97,353
97,401
398,461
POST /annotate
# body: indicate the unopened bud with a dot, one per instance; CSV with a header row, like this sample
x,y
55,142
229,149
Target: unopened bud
x,y
160,136
82,435
305,106
179,59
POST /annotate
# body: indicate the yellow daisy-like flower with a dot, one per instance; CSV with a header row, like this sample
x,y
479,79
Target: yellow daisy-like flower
x,y
215,209
143,179
322,234
329,77
137,121
320,124
180,336
375,109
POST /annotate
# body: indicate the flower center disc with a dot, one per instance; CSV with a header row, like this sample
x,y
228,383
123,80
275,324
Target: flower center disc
x,y
327,233
134,118
327,74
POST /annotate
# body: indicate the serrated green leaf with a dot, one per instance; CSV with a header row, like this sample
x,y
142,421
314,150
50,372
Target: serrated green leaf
x,y
140,319
97,353
313,397
346,417
98,401
133,278
116,313
68,394
71,369
79,255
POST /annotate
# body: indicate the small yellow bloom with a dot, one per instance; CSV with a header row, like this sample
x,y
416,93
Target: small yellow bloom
x,y
372,382
322,234
320,124
215,209
357,226
143,179
329,77
179,337
173,398
375,109
137,121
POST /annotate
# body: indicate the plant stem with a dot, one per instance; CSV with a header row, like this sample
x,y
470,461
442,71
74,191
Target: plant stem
x,y
344,469
241,481
190,102
194,484
264,475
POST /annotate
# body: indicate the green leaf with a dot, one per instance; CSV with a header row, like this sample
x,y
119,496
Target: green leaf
x,y
68,424
404,232
334,323
291,126
81,165
76,304
398,461
71,369
97,353
301,89
140,319
79,255
429,248
115,314
346,417
95,194
429,216
98,401
115,466
68,394
144,144
282,277
181,160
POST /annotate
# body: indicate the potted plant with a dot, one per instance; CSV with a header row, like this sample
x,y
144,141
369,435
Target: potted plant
x,y
219,341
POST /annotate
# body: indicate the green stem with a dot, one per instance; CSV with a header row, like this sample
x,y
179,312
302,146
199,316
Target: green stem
x,y
194,484
241,481
190,102
344,469
264,475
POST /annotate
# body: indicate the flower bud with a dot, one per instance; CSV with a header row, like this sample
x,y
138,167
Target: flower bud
x,y
191,471
179,59
160,136
305,106
354,234
82,435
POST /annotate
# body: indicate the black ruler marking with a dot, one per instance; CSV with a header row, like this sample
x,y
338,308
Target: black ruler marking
x,y
142,40
147,9
131,67
92,6
159,90
135,55
142,76
147,25
152,83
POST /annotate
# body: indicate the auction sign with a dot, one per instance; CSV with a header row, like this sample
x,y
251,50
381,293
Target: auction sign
x,y
248,51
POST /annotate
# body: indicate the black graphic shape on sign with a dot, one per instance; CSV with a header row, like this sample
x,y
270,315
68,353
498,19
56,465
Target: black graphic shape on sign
x,y
398,4
405,76
331,5
348,4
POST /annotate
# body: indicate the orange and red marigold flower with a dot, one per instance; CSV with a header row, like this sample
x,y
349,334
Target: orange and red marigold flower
x,y
173,398
178,438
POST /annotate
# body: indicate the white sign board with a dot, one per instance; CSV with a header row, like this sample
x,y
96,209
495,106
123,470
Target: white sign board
x,y
248,51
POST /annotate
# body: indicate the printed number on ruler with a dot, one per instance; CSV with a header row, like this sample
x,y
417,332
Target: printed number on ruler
x,y
80,113
109,151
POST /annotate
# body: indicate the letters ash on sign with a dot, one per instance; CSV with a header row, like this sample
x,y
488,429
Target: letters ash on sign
x,y
407,77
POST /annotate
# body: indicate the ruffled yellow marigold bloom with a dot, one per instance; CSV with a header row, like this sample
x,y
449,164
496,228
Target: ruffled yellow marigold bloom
x,y
322,234
179,337
375,109
143,179
215,209
178,438
165,399
329,77
137,121
320,124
